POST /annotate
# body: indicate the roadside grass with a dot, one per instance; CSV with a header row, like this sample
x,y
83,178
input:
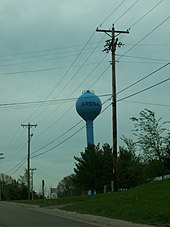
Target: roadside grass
x,y
149,203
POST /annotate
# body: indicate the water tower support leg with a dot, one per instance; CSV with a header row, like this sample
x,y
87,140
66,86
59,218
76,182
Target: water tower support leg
x,y
89,131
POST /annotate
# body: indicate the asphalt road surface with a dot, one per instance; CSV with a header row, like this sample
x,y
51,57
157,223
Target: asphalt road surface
x,y
16,215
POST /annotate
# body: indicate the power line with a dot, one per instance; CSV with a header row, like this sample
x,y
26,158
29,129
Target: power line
x,y
146,14
144,58
43,51
140,62
45,58
18,168
20,163
34,156
36,102
127,10
144,37
111,13
57,137
28,71
143,78
149,45
149,103
138,92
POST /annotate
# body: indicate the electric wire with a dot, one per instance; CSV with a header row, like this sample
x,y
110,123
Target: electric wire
x,y
145,58
149,33
145,89
111,13
20,163
18,168
42,153
146,14
44,50
143,78
149,103
27,71
126,11
140,62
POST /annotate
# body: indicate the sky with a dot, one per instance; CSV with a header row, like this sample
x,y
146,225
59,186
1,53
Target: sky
x,y
50,53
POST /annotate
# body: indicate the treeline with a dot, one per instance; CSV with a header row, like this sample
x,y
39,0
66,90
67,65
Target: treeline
x,y
139,160
12,189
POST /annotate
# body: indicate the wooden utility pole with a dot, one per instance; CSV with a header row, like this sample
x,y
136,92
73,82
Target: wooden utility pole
x,y
28,126
111,44
43,191
32,182
0,179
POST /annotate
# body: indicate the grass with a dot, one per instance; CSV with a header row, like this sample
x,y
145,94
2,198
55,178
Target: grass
x,y
149,203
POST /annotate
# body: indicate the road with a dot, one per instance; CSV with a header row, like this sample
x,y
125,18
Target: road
x,y
16,215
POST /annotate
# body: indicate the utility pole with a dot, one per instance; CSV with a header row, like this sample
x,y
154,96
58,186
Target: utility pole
x,y
28,126
111,44
43,191
32,182
0,180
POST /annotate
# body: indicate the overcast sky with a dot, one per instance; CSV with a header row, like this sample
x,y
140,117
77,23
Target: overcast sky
x,y
50,52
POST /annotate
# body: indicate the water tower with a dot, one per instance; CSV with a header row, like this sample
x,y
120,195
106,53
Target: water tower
x,y
88,106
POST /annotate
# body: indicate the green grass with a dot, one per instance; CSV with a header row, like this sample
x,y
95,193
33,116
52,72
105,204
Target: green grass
x,y
149,203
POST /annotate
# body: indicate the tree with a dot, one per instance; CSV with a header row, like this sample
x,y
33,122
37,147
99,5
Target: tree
x,y
67,187
107,164
130,168
12,189
94,168
151,137
167,157
24,179
5,182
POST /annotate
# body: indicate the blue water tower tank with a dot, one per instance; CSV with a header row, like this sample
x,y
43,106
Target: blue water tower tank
x,y
88,106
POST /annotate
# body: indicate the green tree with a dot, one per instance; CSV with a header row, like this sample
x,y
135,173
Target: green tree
x,y
130,168
67,187
167,157
12,189
107,165
94,168
24,179
151,138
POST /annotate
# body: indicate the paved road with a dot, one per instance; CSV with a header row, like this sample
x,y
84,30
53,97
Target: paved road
x,y
15,215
